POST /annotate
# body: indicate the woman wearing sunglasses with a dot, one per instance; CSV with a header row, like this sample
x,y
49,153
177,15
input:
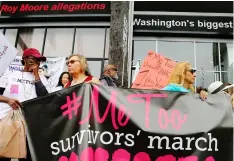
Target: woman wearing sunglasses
x,y
78,69
182,79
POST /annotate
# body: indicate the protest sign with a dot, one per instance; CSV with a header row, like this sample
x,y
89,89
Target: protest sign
x,y
7,53
154,72
52,69
98,123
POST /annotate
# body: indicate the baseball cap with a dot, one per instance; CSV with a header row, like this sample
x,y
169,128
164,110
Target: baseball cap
x,y
216,87
34,53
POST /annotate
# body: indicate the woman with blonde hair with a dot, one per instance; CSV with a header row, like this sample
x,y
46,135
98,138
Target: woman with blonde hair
x,y
78,69
182,79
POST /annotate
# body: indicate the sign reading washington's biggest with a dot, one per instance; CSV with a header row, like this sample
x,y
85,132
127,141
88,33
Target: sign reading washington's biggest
x,y
96,123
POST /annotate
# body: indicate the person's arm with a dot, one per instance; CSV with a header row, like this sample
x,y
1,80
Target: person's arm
x,y
4,99
15,104
40,89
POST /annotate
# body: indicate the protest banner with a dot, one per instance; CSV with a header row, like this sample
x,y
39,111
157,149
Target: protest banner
x,y
98,123
7,53
52,69
154,72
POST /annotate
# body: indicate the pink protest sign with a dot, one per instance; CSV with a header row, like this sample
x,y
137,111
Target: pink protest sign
x,y
154,73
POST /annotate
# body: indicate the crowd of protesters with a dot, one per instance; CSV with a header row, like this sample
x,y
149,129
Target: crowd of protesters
x,y
181,80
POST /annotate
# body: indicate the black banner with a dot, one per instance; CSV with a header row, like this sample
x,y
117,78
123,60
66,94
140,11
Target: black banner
x,y
18,8
185,6
97,123
173,23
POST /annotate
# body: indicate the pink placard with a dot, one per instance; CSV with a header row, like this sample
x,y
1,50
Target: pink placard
x,y
154,73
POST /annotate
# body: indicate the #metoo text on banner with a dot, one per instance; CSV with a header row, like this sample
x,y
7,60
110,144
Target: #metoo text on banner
x,y
99,123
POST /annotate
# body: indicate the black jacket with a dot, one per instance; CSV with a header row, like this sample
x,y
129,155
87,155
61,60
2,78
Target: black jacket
x,y
108,81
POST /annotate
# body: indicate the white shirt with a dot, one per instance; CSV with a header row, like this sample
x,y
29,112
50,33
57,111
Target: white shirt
x,y
19,85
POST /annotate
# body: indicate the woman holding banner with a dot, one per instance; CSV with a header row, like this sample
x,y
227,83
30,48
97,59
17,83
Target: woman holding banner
x,y
20,86
182,79
78,69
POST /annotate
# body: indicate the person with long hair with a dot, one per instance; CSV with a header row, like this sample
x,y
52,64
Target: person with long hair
x,y
64,79
78,69
182,79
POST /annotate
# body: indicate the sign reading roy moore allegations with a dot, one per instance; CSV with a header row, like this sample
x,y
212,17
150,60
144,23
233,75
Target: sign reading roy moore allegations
x,y
184,23
17,8
97,123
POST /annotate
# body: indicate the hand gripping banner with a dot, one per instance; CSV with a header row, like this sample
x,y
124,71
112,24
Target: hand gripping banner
x,y
97,123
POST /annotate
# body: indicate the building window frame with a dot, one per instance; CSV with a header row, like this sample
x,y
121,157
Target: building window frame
x,y
75,26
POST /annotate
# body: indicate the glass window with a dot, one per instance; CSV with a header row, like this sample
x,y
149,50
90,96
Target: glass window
x,y
30,37
225,77
105,62
59,42
95,68
141,49
90,42
226,55
178,51
206,78
107,43
207,56
11,35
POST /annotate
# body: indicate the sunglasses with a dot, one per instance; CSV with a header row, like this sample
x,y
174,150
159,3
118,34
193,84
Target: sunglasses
x,y
71,62
192,71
